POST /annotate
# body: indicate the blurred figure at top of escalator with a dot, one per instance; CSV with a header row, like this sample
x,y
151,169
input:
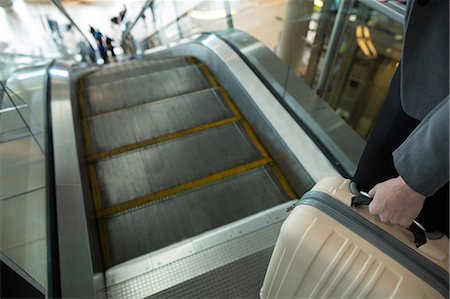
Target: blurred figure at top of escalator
x,y
128,43
406,160
98,36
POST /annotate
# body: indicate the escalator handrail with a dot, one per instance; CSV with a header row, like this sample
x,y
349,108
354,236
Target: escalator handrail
x,y
53,265
61,8
144,7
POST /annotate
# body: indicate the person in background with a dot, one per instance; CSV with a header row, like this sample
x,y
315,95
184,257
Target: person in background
x,y
54,27
110,47
102,50
98,36
151,5
128,43
122,14
406,160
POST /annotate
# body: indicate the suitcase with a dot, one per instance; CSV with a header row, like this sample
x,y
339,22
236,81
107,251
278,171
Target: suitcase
x,y
326,249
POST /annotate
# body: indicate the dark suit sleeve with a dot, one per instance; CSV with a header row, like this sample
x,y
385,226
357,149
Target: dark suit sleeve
x,y
422,160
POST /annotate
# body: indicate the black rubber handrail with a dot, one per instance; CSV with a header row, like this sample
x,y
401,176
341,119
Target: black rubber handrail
x,y
53,265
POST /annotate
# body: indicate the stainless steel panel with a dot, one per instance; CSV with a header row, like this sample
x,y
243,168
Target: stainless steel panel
x,y
137,90
151,169
155,119
196,263
154,226
74,249
122,71
239,279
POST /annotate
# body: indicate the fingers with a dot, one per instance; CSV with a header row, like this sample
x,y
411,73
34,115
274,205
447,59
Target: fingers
x,y
404,224
375,208
372,191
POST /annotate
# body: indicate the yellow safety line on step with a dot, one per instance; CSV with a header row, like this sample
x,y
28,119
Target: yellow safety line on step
x,y
284,183
81,90
104,243
209,75
84,122
220,88
103,232
248,129
95,187
254,139
228,101
181,188
148,142
191,60
87,137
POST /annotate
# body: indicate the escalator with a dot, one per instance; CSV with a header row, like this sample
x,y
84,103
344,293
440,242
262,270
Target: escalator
x,y
170,156
173,172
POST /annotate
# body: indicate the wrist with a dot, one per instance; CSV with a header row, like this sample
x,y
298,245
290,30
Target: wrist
x,y
404,186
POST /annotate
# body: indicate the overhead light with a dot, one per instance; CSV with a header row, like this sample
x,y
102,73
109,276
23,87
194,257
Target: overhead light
x,y
209,14
352,18
364,41
318,3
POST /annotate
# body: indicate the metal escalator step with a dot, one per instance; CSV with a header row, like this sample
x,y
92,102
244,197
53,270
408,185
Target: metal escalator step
x,y
145,88
155,168
133,68
154,119
240,279
145,229
135,62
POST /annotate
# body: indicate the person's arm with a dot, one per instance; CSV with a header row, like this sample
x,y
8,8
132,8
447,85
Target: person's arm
x,y
422,162
422,159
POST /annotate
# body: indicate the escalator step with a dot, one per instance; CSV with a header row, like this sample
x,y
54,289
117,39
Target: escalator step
x,y
154,119
121,71
188,214
151,169
145,88
240,279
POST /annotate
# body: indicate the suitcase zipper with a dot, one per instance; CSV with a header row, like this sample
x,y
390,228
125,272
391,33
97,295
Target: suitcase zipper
x,y
404,255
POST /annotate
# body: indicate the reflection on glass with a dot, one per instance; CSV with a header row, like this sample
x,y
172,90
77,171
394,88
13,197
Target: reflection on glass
x,y
23,167
368,54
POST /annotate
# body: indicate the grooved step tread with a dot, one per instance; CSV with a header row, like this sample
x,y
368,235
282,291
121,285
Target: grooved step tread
x,y
191,213
125,127
122,71
144,88
151,169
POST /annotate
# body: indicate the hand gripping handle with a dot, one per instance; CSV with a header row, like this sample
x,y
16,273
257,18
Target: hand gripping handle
x,y
419,235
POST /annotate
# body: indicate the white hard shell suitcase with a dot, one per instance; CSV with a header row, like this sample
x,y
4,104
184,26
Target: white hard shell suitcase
x,y
326,249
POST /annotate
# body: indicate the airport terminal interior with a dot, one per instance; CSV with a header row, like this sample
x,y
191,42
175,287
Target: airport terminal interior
x,y
151,148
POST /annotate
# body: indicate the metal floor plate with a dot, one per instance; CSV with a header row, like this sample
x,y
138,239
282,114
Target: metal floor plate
x,y
154,119
151,169
145,88
185,215
235,244
240,279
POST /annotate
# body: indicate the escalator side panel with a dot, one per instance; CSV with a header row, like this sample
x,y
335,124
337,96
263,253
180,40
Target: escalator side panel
x,y
155,168
124,127
137,90
191,213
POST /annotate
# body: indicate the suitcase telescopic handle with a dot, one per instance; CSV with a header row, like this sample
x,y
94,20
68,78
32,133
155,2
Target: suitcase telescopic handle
x,y
419,235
